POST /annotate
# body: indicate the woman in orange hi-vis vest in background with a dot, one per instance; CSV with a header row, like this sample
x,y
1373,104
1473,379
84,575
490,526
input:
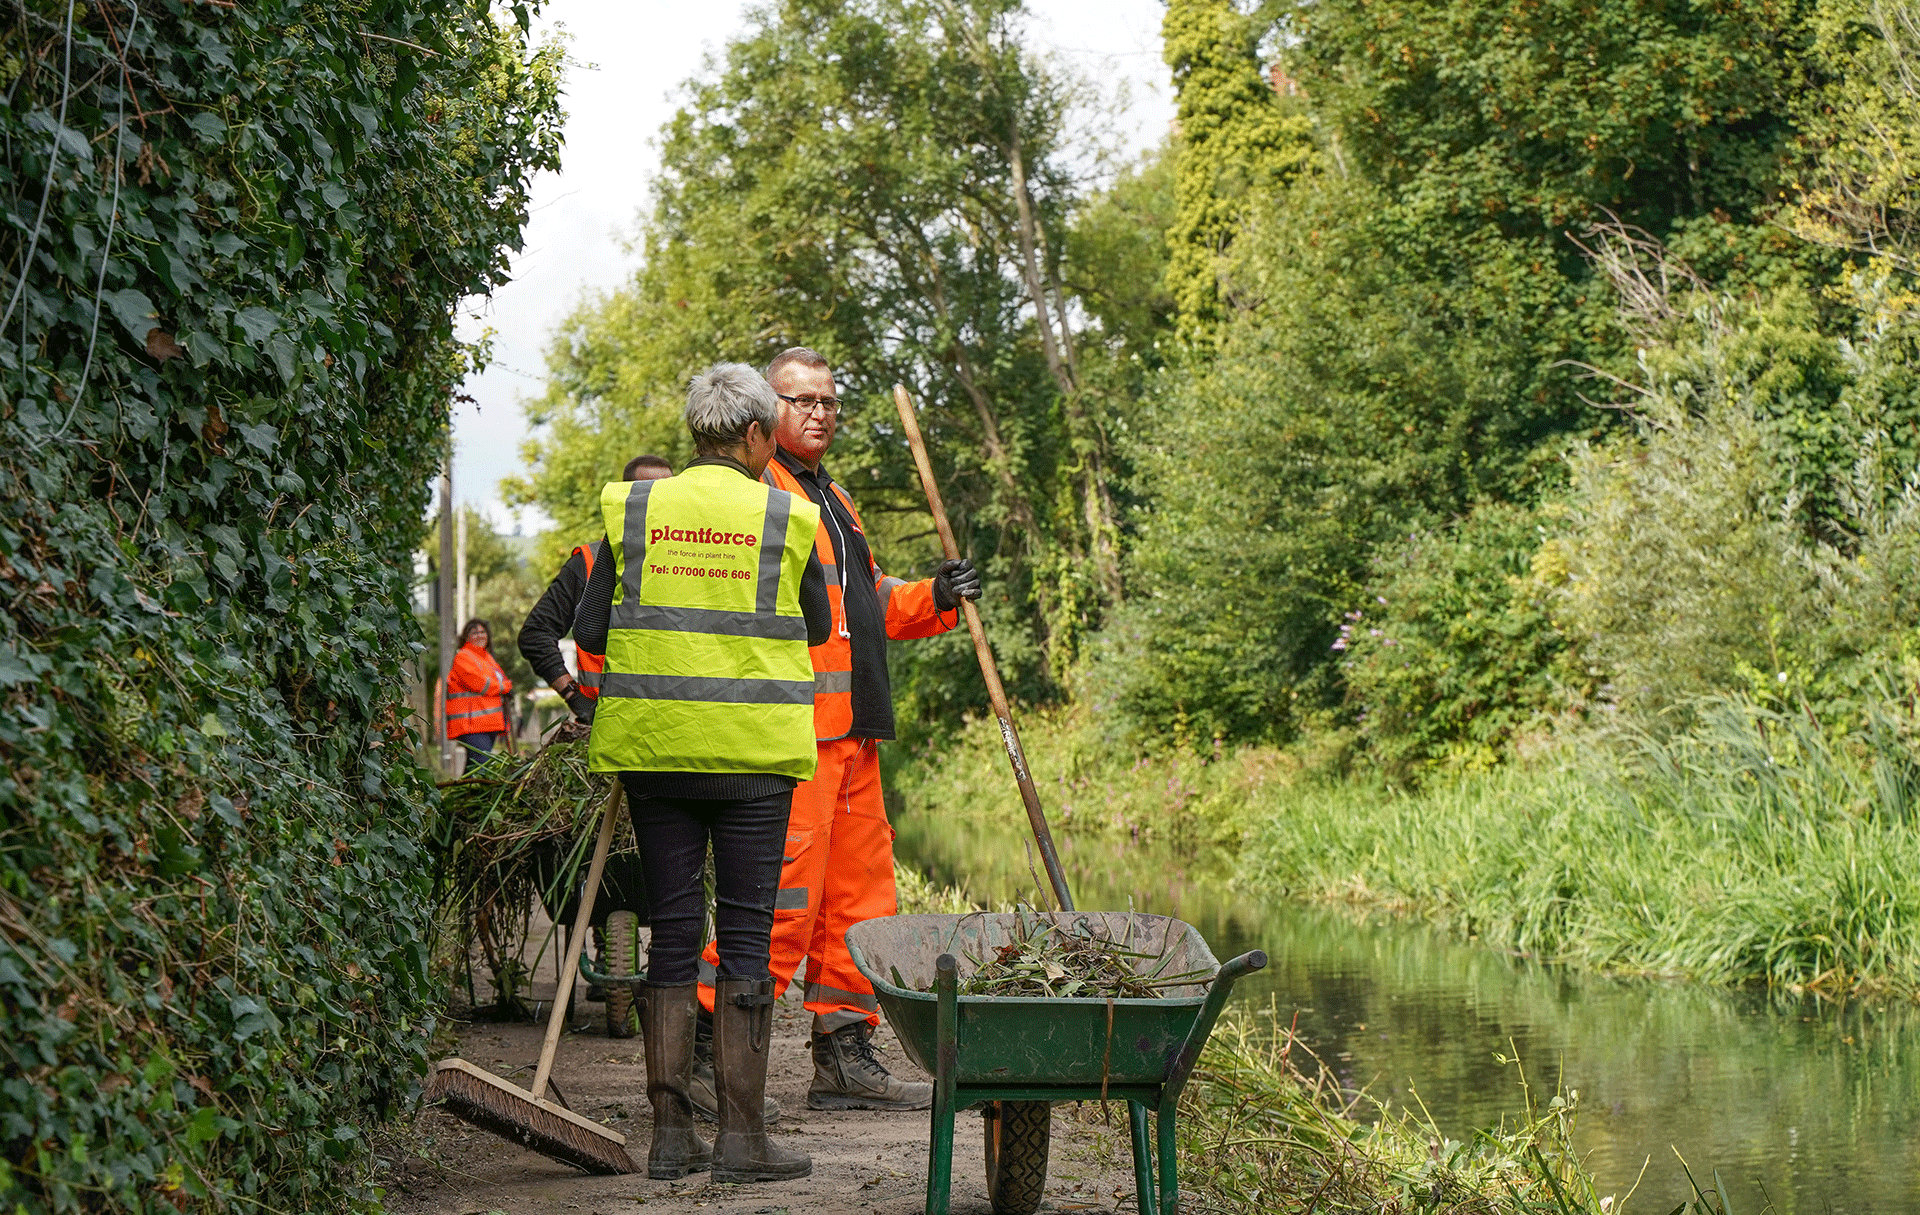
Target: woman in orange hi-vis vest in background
x,y
476,695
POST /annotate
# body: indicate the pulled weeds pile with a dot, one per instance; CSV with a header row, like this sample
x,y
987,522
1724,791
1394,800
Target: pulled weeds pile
x,y
510,837
1052,961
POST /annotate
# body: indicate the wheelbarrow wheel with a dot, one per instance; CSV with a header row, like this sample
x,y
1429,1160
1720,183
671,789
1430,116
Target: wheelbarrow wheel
x,y
623,958
1018,1134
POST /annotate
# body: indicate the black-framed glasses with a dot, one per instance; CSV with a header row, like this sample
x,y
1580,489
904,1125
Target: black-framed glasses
x,y
812,405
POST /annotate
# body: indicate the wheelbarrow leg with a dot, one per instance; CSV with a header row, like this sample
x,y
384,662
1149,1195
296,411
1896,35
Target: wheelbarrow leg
x,y
1169,1153
946,1062
1142,1158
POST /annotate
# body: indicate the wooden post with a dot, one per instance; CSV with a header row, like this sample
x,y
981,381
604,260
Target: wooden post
x,y
448,607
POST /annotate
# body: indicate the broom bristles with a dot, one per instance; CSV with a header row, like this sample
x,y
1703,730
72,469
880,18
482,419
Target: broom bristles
x,y
490,1103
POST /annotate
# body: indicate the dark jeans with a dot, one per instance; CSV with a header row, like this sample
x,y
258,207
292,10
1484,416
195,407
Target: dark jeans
x,y
749,836
479,749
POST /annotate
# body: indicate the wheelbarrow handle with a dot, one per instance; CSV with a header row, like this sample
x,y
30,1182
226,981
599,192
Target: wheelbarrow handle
x,y
591,975
1183,1063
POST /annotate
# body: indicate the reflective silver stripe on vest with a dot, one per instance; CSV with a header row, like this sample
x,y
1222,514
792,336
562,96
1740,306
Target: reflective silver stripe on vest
x,y
773,545
475,713
588,679
707,688
825,682
710,620
633,539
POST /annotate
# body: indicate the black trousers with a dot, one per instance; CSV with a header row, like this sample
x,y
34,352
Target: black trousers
x,y
748,837
479,749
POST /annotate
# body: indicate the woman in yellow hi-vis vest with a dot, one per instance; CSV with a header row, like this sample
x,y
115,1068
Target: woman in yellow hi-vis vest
x,y
705,613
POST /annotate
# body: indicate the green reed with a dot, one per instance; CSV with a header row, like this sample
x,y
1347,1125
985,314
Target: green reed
x,y
1265,1129
1752,847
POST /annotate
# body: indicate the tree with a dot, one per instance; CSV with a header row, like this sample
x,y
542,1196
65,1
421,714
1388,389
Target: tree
x,y
881,180
1239,142
1402,329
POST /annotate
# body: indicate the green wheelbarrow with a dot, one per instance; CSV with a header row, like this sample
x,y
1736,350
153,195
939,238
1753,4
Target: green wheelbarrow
x,y
1016,1056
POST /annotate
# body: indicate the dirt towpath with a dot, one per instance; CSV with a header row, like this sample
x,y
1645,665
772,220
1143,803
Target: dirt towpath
x,y
862,1162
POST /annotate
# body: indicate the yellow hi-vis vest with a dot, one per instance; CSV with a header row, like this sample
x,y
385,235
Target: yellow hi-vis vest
x,y
706,666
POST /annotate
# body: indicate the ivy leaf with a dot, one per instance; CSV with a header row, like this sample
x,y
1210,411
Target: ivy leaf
x,y
21,666
261,437
208,126
133,310
257,323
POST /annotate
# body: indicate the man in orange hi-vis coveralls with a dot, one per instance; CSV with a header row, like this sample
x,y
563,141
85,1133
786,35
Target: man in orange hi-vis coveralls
x,y
838,867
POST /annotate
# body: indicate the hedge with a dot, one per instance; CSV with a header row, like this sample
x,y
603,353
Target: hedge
x,y
232,240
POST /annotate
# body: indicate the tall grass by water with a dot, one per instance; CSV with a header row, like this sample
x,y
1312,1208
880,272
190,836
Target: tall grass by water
x,y
1265,1130
1750,848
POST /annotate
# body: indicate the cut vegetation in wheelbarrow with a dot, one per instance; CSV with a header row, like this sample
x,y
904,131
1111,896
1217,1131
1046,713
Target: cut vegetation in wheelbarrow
x,y
1050,959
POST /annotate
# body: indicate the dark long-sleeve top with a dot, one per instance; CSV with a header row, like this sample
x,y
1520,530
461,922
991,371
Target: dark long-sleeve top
x,y
552,618
590,624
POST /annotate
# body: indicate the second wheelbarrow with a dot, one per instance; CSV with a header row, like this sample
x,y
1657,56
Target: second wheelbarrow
x,y
1017,1055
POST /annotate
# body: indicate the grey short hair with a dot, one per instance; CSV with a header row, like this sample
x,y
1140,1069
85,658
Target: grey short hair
x,y
723,401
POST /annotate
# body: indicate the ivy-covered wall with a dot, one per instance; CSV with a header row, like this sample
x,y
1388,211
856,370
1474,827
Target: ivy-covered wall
x,y
231,236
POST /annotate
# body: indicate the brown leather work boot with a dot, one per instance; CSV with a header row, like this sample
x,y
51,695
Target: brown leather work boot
x,y
667,1021
742,1028
848,1076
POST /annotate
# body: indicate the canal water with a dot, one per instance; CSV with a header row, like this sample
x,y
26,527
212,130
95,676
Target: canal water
x,y
1801,1105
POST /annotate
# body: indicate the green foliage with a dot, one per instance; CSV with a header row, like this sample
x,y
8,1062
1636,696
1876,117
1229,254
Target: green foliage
x,y
1526,118
1748,848
513,836
1455,652
883,181
1262,1135
1239,142
1093,784
1352,400
1406,323
1859,192
1117,261
1756,533
232,242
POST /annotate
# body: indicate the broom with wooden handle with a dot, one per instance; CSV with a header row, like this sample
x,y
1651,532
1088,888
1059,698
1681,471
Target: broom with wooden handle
x,y
527,1117
989,669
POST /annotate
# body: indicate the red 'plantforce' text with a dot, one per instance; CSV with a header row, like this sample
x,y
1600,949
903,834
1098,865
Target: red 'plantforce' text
x,y
701,535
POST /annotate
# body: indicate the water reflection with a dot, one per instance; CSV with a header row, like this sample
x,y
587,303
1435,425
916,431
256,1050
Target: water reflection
x,y
1808,1106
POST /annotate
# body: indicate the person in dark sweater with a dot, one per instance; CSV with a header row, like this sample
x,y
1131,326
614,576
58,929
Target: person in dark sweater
x,y
552,618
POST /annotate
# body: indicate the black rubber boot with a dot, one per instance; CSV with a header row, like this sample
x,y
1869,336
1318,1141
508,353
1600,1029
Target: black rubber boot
x,y
742,1028
667,1019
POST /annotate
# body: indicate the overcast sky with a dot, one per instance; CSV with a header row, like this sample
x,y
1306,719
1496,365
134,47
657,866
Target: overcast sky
x,y
630,57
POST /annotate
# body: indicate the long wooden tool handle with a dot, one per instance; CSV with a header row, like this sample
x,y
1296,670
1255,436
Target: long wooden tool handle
x,y
569,965
989,670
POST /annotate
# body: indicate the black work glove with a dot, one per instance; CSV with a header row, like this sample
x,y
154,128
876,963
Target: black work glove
x,y
954,581
581,703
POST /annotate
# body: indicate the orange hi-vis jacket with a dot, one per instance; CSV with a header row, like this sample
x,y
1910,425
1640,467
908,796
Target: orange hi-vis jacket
x,y
590,662
908,607
476,693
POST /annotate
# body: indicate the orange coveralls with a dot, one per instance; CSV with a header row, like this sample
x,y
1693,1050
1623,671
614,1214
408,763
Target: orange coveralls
x,y
838,867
